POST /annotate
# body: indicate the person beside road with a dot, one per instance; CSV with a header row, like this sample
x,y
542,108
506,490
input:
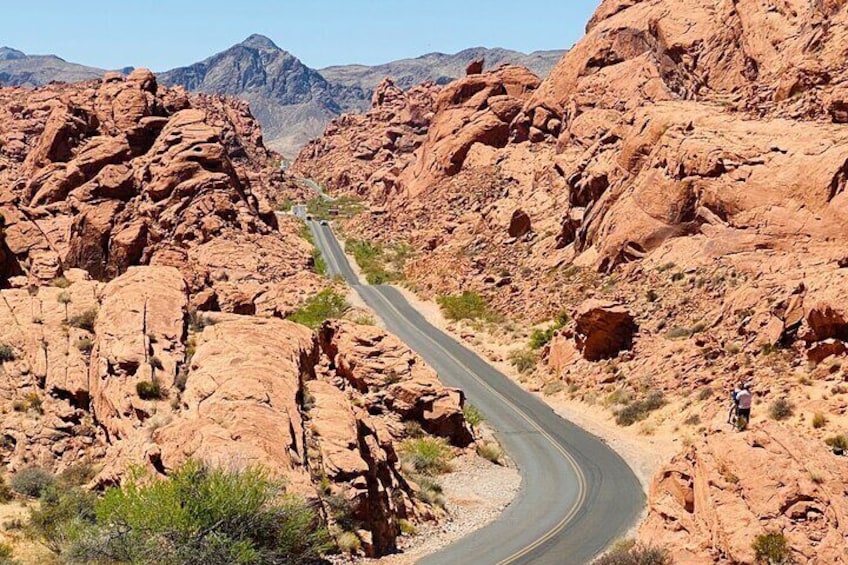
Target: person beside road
x,y
743,413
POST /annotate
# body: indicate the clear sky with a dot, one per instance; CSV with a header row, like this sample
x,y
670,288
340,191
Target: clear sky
x,y
169,33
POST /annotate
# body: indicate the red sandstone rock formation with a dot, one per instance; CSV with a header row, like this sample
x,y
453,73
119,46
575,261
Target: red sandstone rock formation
x,y
103,176
127,208
686,160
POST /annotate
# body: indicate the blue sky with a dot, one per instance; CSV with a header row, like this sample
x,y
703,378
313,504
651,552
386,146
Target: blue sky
x,y
169,33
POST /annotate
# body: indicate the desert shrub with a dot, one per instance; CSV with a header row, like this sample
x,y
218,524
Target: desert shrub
x,y
640,409
677,333
429,490
349,542
326,305
197,321
61,282
84,320
64,298
819,420
426,455
85,345
371,258
692,420
6,493
491,451
407,528
473,417
524,360
62,517
33,402
838,442
705,393
772,549
201,515
413,429
652,296
466,306
149,390
540,338
628,552
619,396
32,481
7,353
781,409
318,262
553,387
78,474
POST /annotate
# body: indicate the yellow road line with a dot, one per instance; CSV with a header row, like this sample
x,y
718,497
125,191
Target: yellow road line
x,y
581,480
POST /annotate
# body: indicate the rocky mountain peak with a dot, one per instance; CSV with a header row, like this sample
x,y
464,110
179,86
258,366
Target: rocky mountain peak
x,y
259,41
9,54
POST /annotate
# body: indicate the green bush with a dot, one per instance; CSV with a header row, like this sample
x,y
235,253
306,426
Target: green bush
x,y
349,542
472,416
772,549
524,360
149,390
318,262
201,515
466,306
371,258
32,481
326,305
781,409
84,320
640,409
62,517
540,338
630,553
6,552
426,455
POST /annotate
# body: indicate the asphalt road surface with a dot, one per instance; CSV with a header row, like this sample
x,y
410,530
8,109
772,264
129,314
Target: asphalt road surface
x,y
577,495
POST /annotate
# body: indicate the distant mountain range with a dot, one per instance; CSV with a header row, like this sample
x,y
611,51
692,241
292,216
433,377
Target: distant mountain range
x,y
293,102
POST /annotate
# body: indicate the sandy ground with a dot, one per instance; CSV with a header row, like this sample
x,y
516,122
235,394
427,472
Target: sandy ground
x,y
25,551
476,492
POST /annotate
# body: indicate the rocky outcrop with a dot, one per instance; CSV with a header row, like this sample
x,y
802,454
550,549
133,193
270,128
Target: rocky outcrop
x,y
122,172
603,329
124,374
380,366
712,501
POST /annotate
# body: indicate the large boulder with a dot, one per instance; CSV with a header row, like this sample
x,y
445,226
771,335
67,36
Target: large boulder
x,y
371,359
603,329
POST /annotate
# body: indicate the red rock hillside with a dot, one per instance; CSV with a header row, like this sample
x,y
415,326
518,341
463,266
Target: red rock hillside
x,y
683,168
144,275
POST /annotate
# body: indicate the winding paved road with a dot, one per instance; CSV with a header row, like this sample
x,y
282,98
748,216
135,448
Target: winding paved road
x,y
577,495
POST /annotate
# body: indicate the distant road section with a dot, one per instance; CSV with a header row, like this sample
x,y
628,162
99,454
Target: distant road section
x,y
577,495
